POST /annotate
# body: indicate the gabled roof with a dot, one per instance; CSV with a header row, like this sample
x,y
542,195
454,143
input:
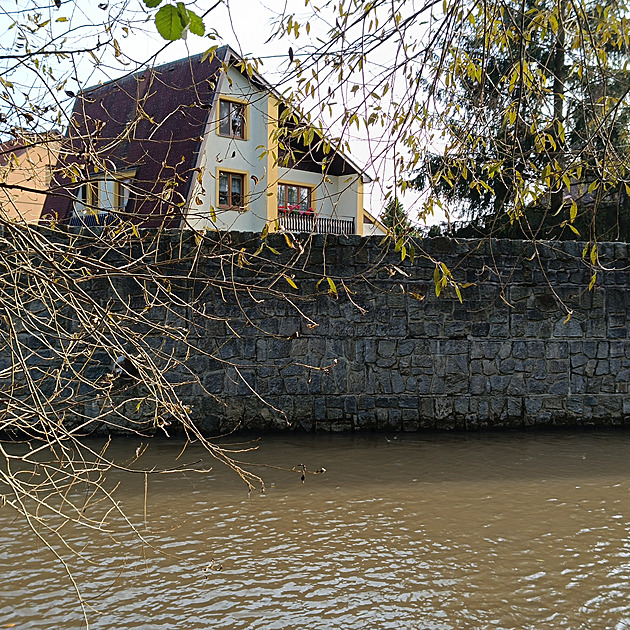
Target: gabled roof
x,y
20,145
151,122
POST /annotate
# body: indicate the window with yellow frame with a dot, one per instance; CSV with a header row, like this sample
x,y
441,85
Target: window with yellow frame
x,y
104,195
231,190
232,119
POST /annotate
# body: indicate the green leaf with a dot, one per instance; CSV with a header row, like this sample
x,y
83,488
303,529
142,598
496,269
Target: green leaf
x,y
593,281
196,25
168,21
265,232
573,212
273,251
151,4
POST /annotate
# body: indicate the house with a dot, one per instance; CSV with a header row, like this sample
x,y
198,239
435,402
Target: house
x,y
26,165
201,143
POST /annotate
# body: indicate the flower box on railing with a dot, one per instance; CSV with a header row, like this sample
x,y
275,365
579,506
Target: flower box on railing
x,y
295,209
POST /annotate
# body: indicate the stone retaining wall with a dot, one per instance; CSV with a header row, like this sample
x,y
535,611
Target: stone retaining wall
x,y
386,353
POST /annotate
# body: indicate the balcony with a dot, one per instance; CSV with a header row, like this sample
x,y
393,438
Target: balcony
x,y
92,219
316,224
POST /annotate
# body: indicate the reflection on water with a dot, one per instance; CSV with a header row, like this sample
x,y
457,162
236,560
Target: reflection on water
x,y
440,532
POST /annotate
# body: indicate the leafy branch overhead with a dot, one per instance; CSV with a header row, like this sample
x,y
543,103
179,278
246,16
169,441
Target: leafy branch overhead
x,y
174,21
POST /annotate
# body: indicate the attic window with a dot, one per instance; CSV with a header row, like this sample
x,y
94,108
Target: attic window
x,y
232,119
104,195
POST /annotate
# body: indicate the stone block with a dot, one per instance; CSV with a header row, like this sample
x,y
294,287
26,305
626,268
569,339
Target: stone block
x,y
367,420
350,404
460,405
499,384
517,385
519,350
443,408
386,348
603,367
514,407
535,349
479,385
424,385
560,387
480,329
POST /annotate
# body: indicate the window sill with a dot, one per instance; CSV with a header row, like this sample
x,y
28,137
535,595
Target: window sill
x,y
222,135
240,209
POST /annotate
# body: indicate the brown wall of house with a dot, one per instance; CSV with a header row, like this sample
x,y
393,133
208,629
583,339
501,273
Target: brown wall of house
x,y
29,170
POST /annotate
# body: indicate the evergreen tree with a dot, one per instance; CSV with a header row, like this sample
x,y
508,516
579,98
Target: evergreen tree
x,y
536,95
395,218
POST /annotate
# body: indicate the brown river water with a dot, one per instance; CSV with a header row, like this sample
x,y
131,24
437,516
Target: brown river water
x,y
523,531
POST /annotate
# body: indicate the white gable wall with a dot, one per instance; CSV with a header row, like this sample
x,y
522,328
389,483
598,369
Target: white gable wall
x,y
219,153
333,196
336,197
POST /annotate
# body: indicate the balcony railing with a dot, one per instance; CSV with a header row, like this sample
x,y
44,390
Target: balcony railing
x,y
92,219
315,224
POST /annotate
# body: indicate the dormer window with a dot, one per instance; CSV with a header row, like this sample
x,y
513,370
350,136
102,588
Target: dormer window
x,y
101,197
232,119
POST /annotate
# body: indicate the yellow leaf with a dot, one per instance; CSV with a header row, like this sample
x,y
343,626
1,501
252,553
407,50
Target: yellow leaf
x,y
332,288
459,293
567,181
290,281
